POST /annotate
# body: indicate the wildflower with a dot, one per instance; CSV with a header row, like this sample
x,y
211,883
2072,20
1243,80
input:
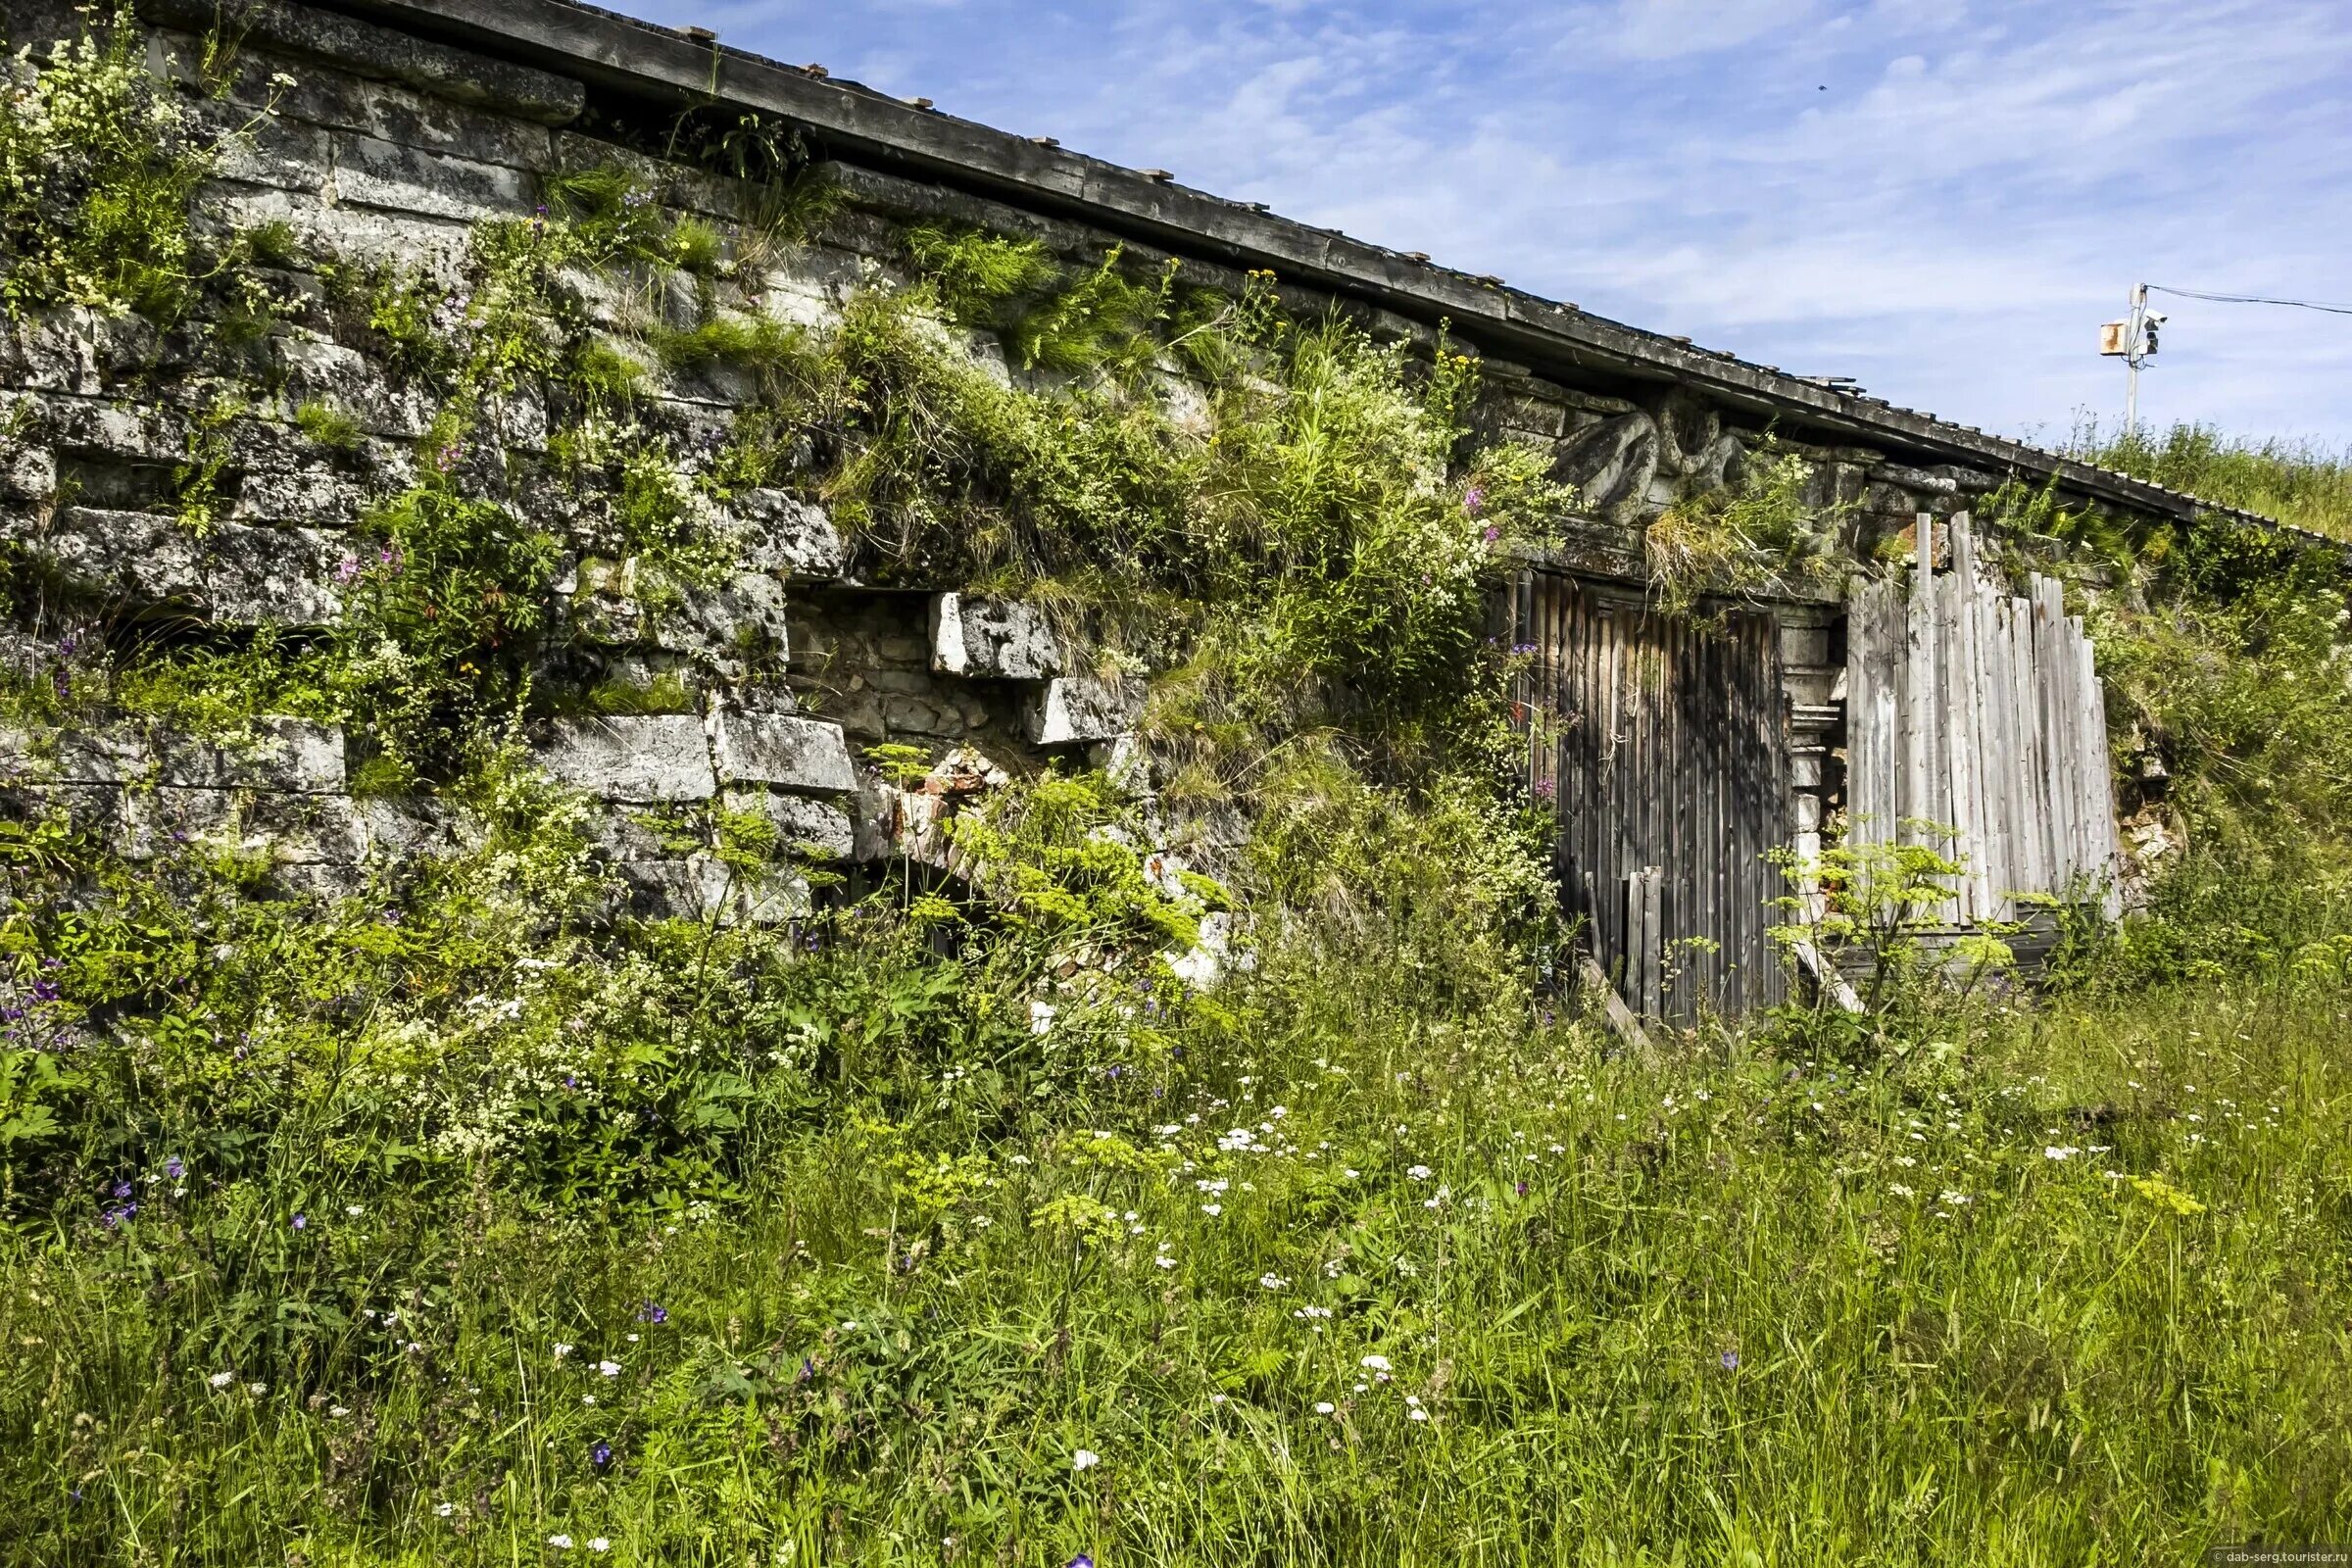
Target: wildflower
x,y
1473,499
611,1369
1899,1190
221,1380
599,1544
1730,1360
1416,1413
444,1510
1082,1561
1212,1211
2056,1152
1085,1459
1163,1260
601,1455
1272,1281
559,1543
563,1351
1324,1407
1375,1363
354,1210
1419,1173
301,1222
1216,1398
175,1168
256,1390
650,1313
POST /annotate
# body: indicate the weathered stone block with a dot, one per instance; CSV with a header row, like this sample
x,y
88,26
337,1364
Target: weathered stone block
x,y
786,750
294,754
373,173
784,533
1610,464
652,757
697,887
1083,707
315,494
234,575
802,824
731,627
401,829
28,474
365,50
995,639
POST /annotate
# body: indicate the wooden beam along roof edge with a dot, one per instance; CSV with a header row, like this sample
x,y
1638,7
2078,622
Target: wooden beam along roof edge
x,y
606,49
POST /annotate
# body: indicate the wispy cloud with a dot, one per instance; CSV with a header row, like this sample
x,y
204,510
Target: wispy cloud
x,y
1943,197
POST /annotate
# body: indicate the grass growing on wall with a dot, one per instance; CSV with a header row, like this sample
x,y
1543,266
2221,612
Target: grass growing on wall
x,y
2297,482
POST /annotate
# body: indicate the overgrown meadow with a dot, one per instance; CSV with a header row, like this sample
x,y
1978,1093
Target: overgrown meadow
x,y
464,1218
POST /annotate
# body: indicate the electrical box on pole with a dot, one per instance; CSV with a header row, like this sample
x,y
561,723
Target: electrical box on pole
x,y
2132,340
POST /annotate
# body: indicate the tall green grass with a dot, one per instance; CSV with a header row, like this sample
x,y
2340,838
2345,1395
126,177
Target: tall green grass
x,y
2064,1287
2297,482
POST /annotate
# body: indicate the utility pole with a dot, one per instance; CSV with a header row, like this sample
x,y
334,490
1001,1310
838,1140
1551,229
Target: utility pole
x,y
2132,340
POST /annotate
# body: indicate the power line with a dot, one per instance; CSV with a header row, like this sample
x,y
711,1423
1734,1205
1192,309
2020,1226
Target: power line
x,y
2251,299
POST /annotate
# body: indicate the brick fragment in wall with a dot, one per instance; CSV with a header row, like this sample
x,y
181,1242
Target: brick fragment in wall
x,y
783,533
803,823
1083,707
993,639
784,750
649,757
234,575
364,50
373,173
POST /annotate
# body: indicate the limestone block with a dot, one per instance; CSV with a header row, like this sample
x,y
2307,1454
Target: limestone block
x,y
1082,707
1610,464
773,897
316,495
732,626
28,474
786,750
234,574
401,829
293,755
93,808
363,49
993,639
1687,424
650,756
48,351
290,829
373,173
802,824
625,836
697,887
784,533
263,150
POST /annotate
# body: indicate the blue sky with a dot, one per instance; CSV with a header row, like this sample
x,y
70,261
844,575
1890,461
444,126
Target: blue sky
x,y
1943,198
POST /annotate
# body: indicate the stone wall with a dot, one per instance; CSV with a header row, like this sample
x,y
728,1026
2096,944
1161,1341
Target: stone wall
x,y
163,482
